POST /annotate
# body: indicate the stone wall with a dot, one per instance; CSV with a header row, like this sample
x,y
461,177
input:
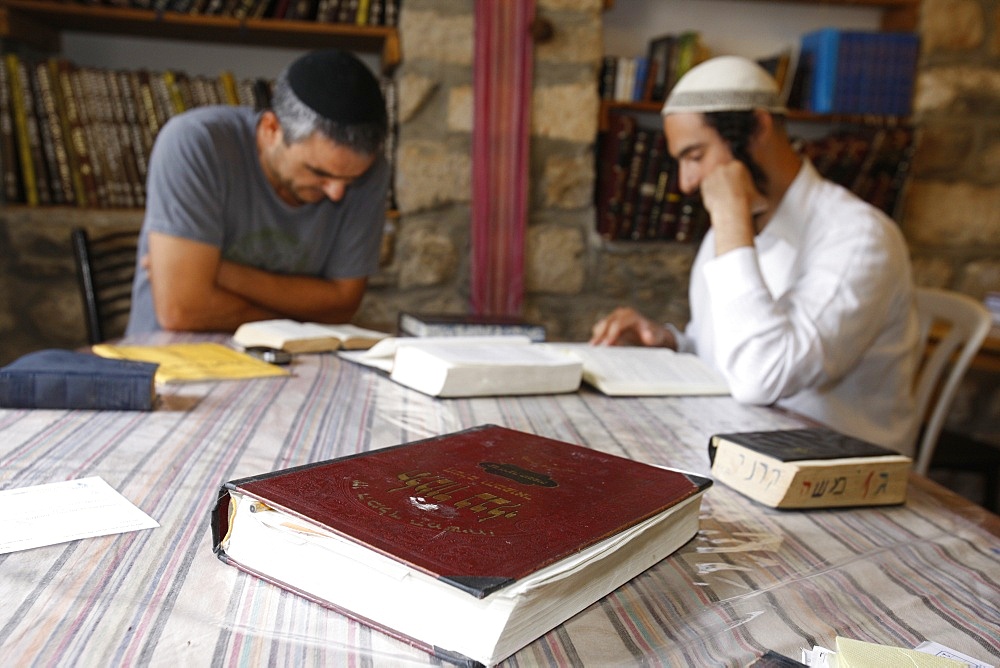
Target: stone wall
x,y
951,215
40,302
572,276
952,208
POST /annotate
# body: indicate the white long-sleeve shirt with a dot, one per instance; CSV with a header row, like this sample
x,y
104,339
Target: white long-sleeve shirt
x,y
818,317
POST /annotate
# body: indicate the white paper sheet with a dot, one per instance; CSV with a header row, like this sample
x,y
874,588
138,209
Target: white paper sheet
x,y
63,511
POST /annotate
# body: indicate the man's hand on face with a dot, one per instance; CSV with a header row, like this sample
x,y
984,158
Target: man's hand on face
x,y
733,202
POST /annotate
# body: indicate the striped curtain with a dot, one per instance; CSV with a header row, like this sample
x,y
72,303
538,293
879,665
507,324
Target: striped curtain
x,y
502,77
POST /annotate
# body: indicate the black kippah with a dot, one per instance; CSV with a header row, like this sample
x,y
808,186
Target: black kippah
x,y
338,87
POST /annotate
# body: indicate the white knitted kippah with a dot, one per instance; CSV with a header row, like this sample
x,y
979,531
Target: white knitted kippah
x,y
725,83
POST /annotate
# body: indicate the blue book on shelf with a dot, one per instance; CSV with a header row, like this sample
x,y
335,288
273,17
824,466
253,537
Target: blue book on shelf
x,y
641,77
820,52
64,379
859,72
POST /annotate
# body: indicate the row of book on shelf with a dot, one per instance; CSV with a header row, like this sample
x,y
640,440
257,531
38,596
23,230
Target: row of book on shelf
x,y
639,197
649,77
81,136
828,71
352,12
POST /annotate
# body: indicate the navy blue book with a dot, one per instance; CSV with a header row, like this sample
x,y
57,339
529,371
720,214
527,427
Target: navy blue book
x,y
410,323
64,379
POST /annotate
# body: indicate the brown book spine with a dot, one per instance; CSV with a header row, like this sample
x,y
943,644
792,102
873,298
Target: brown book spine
x,y
637,165
617,155
263,9
112,131
75,178
327,11
79,148
670,208
91,136
8,143
137,131
243,8
691,221
21,128
123,127
63,191
162,99
39,155
230,90
204,91
148,108
348,11
104,139
246,94
648,186
177,102
281,9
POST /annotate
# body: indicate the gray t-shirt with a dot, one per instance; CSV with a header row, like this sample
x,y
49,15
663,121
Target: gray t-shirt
x,y
206,184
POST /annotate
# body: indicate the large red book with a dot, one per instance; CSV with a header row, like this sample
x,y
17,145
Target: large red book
x,y
469,545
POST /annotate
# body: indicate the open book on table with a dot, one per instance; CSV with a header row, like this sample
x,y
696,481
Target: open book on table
x,y
305,337
472,366
642,371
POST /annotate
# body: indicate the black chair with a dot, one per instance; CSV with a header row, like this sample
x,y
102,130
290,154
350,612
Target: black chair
x,y
105,266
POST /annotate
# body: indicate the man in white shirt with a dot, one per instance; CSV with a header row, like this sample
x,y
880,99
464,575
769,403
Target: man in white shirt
x,y
801,293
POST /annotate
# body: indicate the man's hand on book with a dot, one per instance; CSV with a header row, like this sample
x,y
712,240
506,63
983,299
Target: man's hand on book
x,y
628,327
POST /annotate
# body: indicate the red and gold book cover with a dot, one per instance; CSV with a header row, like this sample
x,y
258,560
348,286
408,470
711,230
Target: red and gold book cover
x,y
479,508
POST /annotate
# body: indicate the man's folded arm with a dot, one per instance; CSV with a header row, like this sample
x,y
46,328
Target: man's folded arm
x,y
195,290
186,294
304,298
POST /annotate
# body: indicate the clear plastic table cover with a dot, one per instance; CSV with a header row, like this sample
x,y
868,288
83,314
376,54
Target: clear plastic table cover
x,y
753,579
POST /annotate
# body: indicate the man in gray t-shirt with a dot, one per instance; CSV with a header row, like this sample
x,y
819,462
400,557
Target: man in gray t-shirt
x,y
276,214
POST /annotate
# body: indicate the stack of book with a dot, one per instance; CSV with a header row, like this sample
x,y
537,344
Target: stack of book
x,y
81,136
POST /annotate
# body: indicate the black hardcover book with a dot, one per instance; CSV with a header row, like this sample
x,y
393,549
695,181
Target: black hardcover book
x,y
464,324
63,379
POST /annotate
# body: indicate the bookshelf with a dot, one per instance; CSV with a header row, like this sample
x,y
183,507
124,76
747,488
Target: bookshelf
x,y
39,23
37,26
892,16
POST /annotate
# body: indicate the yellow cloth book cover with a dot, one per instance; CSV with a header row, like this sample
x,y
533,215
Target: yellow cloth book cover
x,y
190,362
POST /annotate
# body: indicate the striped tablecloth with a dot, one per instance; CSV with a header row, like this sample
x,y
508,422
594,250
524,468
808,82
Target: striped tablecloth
x,y
753,579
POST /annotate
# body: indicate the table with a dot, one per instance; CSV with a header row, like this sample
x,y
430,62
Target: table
x,y
753,579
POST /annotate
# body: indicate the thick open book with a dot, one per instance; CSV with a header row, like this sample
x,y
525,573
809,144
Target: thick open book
x,y
473,366
643,371
469,545
809,468
305,337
